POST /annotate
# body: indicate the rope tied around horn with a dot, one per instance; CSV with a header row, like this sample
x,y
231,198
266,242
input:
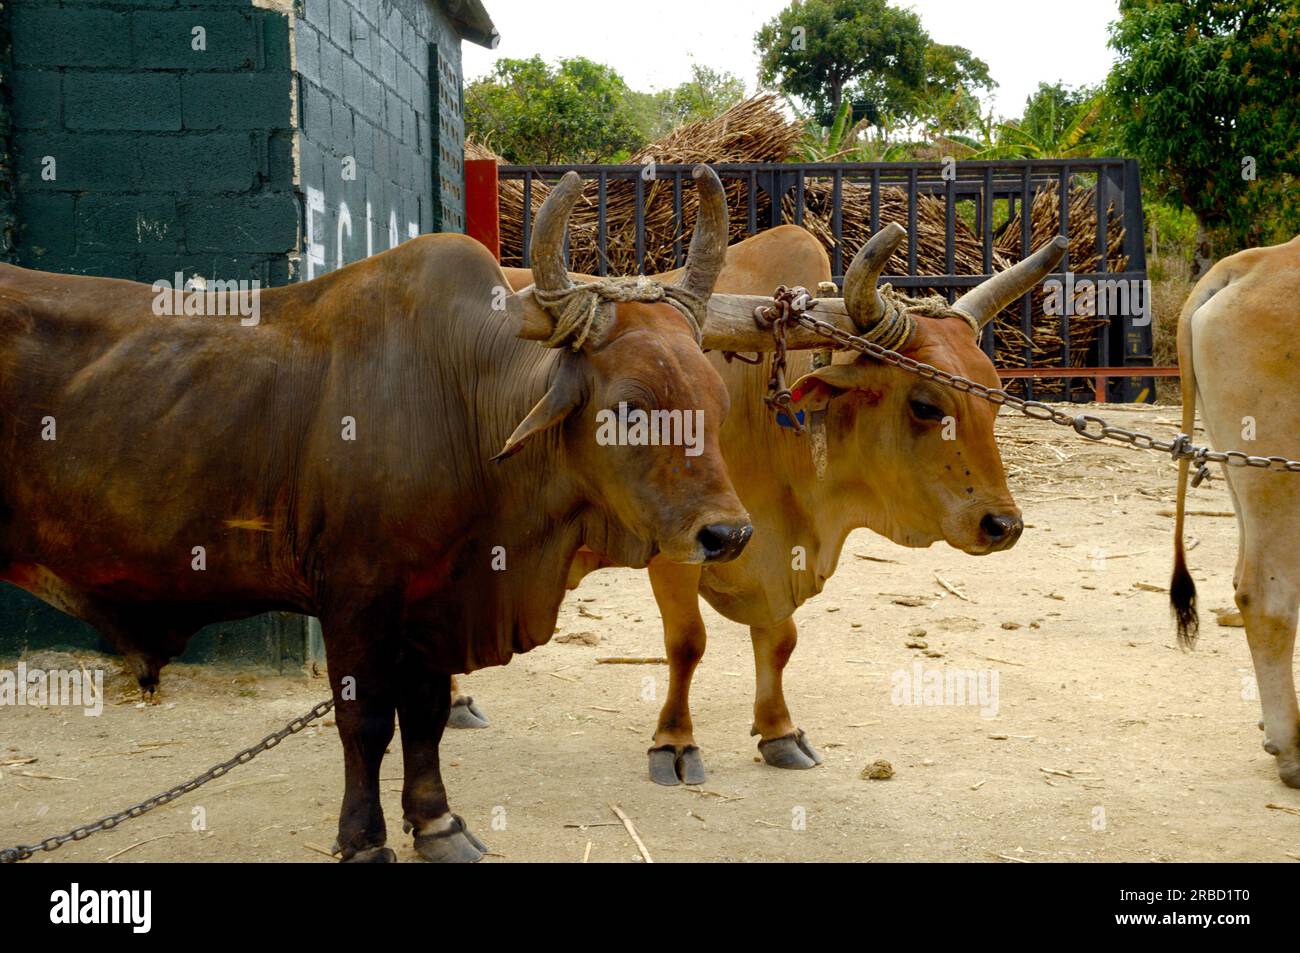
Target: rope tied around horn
x,y
896,325
578,310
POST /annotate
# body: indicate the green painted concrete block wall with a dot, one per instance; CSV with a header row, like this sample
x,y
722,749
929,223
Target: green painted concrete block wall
x,y
134,155
381,145
137,155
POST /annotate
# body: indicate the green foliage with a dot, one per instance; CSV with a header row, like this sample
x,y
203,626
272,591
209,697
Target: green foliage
x,y
833,144
1058,123
1171,243
839,127
1199,89
949,99
1173,226
822,52
529,112
846,141
1054,111
706,95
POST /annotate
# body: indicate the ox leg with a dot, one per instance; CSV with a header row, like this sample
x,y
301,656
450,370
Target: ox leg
x,y
361,676
675,758
464,713
783,745
1269,609
1235,618
422,705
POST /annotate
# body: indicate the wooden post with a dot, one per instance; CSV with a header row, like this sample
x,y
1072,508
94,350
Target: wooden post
x,y
482,204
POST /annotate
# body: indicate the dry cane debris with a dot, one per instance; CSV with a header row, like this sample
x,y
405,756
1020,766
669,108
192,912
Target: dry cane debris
x,y
636,838
1284,808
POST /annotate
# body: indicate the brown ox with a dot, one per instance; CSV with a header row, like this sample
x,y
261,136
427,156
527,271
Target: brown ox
x,y
162,473
888,469
1237,351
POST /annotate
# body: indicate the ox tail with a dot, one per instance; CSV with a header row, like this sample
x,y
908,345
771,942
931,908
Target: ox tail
x,y
1182,588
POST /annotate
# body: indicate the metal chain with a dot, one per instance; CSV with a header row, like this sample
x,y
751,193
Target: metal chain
x,y
788,304
9,855
1085,425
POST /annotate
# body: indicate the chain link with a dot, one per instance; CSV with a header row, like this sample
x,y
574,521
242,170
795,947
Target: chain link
x,y
787,305
1088,426
9,855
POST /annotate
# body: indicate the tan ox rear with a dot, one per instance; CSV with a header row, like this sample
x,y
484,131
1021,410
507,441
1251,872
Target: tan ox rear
x,y
1239,356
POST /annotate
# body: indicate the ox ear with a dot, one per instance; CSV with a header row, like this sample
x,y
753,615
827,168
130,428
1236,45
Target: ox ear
x,y
556,404
817,388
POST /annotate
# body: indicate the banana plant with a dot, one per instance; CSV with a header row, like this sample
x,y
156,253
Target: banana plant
x,y
1079,138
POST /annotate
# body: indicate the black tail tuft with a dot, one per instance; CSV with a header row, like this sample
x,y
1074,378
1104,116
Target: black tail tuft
x,y
1182,598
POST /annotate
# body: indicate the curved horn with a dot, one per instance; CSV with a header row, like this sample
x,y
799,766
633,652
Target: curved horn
x,y
546,249
861,299
708,251
985,300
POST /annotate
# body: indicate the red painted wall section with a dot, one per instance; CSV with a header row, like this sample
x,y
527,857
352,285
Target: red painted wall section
x,y
482,208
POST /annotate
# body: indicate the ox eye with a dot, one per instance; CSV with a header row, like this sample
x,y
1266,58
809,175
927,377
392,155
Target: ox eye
x,y
631,404
925,411
636,400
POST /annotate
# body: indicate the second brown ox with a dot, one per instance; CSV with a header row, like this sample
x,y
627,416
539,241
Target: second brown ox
x,y
904,457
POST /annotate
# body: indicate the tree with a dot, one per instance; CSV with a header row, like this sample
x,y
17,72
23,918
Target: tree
x,y
529,112
1058,123
819,51
1206,94
949,99
706,95
1053,108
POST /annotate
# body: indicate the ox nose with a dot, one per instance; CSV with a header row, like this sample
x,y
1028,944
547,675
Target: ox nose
x,y
1002,531
723,541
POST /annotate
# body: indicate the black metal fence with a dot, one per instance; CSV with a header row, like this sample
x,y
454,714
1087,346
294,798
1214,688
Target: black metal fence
x,y
983,189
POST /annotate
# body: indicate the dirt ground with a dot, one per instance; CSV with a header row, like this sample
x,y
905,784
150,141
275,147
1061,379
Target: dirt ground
x,y
1108,743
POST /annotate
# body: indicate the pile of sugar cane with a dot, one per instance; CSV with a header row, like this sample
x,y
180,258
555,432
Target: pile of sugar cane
x,y
757,131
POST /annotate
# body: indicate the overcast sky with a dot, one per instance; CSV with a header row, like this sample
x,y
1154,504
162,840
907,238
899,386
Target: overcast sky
x,y
652,44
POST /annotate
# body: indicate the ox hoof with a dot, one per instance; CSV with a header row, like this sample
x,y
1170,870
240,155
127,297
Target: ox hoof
x,y
790,751
1288,769
456,845
465,714
371,855
676,764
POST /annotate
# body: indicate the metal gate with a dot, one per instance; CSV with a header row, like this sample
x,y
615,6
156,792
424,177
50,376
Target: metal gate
x,y
774,194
